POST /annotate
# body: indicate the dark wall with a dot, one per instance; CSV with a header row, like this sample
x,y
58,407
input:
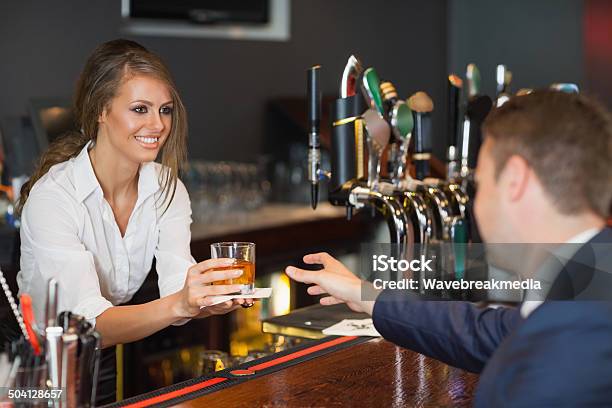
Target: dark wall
x,y
540,41
598,49
225,83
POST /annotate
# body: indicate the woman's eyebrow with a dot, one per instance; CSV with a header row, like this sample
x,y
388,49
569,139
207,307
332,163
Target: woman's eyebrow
x,y
143,101
149,103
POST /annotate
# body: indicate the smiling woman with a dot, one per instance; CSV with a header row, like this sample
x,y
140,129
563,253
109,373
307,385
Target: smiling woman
x,y
99,208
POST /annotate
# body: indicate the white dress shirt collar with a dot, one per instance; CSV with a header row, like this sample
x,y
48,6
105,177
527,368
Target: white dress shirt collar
x,y
528,306
86,181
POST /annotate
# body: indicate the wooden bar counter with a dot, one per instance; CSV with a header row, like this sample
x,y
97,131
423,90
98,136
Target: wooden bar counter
x,y
374,373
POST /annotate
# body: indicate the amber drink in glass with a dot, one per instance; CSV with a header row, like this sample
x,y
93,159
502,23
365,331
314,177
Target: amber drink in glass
x,y
243,254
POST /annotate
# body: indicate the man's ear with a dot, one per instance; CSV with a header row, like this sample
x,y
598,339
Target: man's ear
x,y
514,178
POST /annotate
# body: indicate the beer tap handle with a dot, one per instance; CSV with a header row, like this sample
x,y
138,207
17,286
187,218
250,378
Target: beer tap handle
x,y
503,78
565,87
500,78
477,110
473,80
314,125
378,134
421,104
371,87
455,84
452,137
389,97
350,77
402,123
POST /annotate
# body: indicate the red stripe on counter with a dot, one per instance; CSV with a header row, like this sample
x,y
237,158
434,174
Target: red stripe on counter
x,y
262,366
177,393
301,353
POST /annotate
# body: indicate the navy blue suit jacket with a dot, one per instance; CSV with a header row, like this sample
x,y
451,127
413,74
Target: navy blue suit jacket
x,y
561,355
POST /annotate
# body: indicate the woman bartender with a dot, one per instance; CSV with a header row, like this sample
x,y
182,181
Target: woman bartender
x,y
98,208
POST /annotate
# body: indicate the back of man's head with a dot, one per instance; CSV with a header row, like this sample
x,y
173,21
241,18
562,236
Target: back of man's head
x,y
566,139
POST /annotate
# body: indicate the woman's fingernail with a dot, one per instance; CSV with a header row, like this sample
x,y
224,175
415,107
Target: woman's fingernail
x,y
289,270
237,273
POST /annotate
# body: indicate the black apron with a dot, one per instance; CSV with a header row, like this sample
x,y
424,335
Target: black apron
x,y
107,378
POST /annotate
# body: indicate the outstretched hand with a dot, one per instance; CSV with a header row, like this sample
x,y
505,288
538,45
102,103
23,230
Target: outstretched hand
x,y
334,280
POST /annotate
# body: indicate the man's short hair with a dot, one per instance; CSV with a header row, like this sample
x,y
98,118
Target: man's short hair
x,y
566,139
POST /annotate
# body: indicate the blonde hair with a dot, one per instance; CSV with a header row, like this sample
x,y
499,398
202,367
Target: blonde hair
x,y
106,69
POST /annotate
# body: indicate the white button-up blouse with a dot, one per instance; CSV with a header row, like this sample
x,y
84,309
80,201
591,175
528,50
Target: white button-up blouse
x,y
68,232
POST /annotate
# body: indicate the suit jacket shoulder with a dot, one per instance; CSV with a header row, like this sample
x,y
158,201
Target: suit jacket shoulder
x,y
561,356
457,333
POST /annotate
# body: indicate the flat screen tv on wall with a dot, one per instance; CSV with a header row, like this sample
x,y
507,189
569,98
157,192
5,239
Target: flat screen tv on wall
x,y
199,11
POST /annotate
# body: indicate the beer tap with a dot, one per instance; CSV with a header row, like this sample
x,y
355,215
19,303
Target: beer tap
x,y
422,106
457,200
478,107
378,134
452,186
396,112
454,86
473,80
503,79
371,88
476,110
380,195
390,98
565,87
314,126
347,144
402,124
348,186
378,130
400,226
350,77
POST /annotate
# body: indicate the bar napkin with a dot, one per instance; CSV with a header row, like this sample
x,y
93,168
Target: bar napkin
x,y
352,327
258,294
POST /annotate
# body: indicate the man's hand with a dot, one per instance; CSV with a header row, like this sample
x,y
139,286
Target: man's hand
x,y
335,280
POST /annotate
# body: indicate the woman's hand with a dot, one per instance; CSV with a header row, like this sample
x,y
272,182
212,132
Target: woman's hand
x,y
199,288
335,280
225,307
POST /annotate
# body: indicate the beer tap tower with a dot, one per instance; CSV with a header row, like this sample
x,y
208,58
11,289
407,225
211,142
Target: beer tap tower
x,y
368,116
347,184
404,188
